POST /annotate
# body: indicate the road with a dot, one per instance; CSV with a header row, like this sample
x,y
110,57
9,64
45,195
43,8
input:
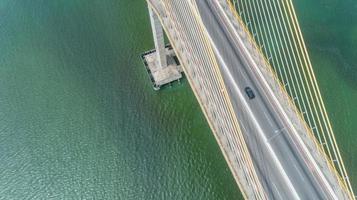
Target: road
x,y
283,171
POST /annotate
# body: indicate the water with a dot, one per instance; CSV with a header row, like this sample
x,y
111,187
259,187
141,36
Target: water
x,y
79,119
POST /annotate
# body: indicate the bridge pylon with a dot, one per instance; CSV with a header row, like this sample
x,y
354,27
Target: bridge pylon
x,y
159,40
161,63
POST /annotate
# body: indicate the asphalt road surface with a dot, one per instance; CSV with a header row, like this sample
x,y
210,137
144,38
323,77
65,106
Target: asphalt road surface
x,y
281,169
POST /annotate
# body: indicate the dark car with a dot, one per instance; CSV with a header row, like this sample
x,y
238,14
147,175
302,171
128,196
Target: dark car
x,y
249,92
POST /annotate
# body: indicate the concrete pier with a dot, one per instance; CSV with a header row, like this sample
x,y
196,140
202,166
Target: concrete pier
x,y
161,76
161,63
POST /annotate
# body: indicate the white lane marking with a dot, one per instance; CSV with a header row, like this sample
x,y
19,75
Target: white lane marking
x,y
244,129
260,130
268,119
297,169
282,111
280,197
277,133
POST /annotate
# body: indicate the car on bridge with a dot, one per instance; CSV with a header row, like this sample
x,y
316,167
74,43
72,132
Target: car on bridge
x,y
249,92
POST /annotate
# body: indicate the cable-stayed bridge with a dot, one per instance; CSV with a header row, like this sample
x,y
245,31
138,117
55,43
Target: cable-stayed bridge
x,y
248,66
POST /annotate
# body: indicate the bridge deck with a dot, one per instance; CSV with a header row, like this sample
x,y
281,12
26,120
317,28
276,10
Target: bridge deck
x,y
264,128
266,144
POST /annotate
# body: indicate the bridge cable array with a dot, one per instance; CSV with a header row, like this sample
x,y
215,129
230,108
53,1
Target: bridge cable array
x,y
274,27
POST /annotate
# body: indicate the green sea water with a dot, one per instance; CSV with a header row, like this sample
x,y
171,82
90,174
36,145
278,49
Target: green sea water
x,y
79,118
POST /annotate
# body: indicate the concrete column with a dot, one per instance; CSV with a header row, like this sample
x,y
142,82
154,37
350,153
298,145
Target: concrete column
x,y
158,38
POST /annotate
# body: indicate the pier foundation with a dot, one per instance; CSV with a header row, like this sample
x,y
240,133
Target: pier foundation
x,y
161,63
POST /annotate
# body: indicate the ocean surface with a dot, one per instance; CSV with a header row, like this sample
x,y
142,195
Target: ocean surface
x,y
80,120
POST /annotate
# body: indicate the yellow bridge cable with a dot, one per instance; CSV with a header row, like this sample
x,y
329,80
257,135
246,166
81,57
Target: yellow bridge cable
x,y
291,7
294,49
285,64
282,88
282,32
286,78
169,5
217,71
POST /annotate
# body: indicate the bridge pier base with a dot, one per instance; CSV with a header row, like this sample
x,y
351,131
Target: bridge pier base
x,y
161,63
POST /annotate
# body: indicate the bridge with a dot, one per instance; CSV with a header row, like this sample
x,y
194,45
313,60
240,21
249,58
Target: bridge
x,y
279,144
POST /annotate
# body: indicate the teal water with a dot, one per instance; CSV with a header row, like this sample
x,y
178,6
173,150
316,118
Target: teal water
x,y
79,119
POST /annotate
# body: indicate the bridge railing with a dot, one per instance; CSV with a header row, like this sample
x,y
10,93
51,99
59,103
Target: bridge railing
x,y
186,33
274,28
